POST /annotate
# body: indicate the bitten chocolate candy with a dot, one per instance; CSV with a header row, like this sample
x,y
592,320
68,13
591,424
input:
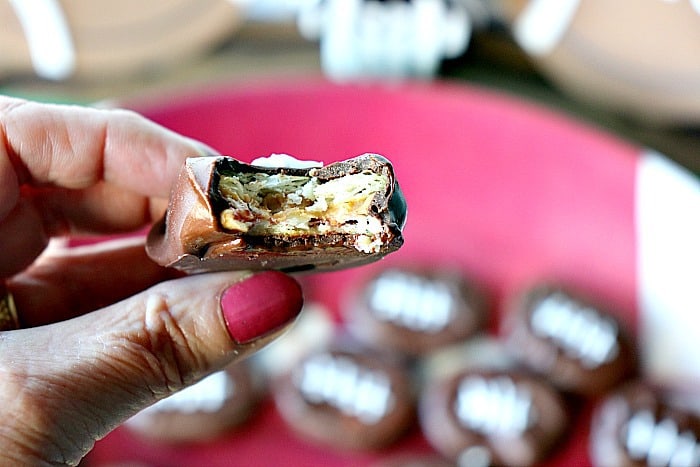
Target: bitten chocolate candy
x,y
227,215
576,345
346,399
635,426
201,412
415,311
481,418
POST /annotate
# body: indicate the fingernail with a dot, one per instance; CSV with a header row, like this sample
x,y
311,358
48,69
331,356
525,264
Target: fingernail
x,y
259,305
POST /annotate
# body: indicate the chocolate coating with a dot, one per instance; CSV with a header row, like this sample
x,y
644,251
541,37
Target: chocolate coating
x,y
409,459
191,237
202,412
346,400
635,426
481,418
414,311
576,345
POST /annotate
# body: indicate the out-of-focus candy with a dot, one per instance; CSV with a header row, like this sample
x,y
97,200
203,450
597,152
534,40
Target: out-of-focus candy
x,y
346,399
636,426
415,311
204,411
371,39
481,418
576,345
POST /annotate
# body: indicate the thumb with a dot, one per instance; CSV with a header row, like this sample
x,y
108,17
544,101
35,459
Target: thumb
x,y
66,385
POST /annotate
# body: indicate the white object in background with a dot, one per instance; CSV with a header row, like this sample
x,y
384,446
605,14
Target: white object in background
x,y
396,39
312,331
668,252
543,23
48,37
208,395
271,10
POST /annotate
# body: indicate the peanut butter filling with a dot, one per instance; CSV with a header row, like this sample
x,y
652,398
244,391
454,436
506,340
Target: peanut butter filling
x,y
294,205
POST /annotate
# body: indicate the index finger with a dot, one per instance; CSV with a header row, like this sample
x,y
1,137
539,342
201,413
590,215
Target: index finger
x,y
77,147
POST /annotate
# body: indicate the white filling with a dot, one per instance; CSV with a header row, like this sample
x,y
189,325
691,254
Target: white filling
x,y
291,205
355,390
286,161
579,330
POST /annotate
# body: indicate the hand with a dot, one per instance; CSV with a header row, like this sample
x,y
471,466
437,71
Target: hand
x,y
105,331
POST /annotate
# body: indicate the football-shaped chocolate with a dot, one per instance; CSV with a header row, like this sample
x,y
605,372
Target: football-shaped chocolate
x,y
413,459
635,57
346,399
481,418
578,346
636,426
415,311
201,412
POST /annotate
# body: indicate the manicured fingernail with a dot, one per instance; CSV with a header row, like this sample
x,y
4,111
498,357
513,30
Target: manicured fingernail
x,y
259,305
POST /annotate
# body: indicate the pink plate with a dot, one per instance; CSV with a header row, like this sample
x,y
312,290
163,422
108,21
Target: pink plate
x,y
507,191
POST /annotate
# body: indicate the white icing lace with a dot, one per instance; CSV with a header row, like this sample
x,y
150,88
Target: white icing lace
x,y
413,302
494,406
354,390
579,330
660,443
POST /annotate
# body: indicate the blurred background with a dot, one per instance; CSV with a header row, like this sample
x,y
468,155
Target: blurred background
x,y
616,66
516,128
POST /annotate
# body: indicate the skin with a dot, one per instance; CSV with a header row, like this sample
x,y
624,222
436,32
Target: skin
x,y
106,332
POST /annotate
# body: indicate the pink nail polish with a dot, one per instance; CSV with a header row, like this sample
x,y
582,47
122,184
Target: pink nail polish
x,y
260,304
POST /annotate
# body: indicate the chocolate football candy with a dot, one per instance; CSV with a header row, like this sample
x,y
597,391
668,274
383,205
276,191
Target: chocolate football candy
x,y
346,400
627,56
415,311
209,408
636,426
482,417
225,214
578,346
413,459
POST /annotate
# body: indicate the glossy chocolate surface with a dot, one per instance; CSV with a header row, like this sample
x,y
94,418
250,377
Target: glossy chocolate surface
x,y
346,399
191,237
637,426
415,311
482,418
575,344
